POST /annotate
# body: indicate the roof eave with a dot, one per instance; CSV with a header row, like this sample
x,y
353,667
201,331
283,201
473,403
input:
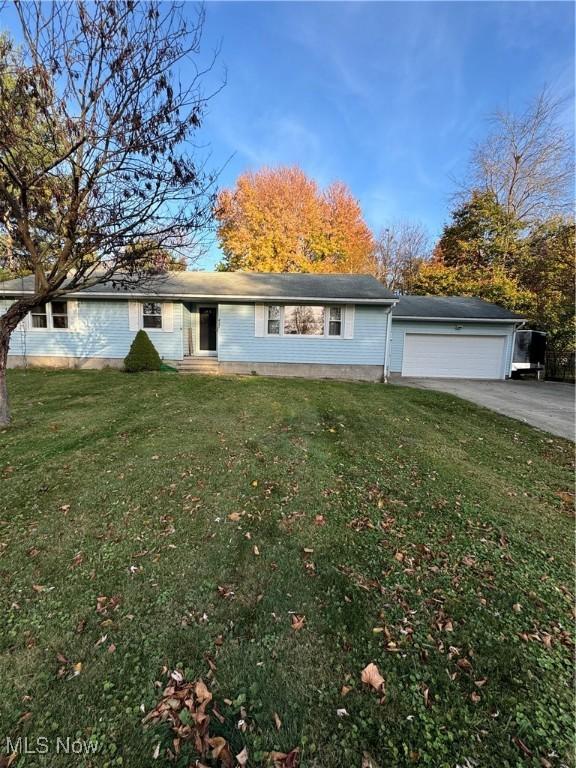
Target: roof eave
x,y
463,319
222,298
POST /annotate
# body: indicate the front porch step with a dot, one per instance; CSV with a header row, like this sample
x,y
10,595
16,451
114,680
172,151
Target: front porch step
x,y
207,365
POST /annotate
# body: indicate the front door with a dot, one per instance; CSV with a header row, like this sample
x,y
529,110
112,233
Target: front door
x,y
208,319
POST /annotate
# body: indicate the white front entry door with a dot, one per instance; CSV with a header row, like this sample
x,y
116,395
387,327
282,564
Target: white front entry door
x,y
454,356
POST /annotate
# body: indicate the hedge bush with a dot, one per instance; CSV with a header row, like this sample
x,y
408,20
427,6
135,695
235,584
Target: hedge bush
x,y
142,355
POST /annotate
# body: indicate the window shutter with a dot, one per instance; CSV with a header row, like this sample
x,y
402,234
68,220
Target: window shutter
x,y
349,321
168,317
134,315
260,320
73,315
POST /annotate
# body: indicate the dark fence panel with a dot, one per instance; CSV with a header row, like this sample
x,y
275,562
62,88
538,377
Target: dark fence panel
x,y
560,366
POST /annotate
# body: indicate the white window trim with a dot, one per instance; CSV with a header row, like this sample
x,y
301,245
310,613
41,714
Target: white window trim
x,y
160,315
49,320
136,316
316,336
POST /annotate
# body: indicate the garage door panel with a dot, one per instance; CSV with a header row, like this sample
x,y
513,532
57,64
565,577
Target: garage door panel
x,y
451,356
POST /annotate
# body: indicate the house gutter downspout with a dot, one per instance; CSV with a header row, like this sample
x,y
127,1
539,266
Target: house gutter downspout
x,y
387,345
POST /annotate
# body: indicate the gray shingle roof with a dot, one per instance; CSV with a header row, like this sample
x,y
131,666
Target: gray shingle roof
x,y
237,286
453,307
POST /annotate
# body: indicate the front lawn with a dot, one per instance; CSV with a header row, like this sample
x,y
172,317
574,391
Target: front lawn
x,y
273,538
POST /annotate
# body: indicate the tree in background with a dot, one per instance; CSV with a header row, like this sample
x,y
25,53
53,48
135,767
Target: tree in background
x,y
510,239
526,163
434,278
399,251
482,234
95,151
279,220
548,269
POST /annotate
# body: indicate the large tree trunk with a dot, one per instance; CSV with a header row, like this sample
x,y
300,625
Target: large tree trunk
x,y
4,406
8,322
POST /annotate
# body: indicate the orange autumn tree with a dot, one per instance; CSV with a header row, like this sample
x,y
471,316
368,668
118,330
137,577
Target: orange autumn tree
x,y
279,220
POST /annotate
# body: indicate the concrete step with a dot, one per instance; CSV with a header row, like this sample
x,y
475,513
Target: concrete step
x,y
207,365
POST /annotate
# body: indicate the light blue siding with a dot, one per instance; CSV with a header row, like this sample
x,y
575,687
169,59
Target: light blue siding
x,y
103,333
237,341
400,327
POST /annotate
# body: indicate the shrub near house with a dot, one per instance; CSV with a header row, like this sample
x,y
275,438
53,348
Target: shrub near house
x,y
142,355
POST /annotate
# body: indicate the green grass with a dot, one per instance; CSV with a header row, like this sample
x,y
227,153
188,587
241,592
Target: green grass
x,y
120,486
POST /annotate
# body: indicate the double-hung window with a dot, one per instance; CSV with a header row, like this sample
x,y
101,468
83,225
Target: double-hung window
x,y
59,314
151,315
51,315
273,322
39,316
334,321
304,320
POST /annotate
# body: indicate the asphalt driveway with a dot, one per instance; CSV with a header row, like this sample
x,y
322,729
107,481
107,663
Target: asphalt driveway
x,y
548,405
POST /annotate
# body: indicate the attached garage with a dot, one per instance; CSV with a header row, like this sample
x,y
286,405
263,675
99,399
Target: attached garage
x,y
449,356
451,337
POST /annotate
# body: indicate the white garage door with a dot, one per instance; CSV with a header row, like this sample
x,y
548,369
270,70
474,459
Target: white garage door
x,y
456,357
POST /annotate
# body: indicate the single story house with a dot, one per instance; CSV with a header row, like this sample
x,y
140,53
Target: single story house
x,y
321,326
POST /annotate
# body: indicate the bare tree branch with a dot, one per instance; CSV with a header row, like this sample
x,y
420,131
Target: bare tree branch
x,y
97,149
526,162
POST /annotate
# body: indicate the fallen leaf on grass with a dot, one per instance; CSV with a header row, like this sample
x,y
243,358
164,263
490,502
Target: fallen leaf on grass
x,y
464,664
426,694
517,608
234,517
368,761
242,758
521,746
475,697
298,622
202,692
342,712
277,721
184,707
319,520
371,676
283,759
345,690
221,751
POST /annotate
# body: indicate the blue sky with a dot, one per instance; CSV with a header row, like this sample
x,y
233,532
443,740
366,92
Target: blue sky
x,y
387,97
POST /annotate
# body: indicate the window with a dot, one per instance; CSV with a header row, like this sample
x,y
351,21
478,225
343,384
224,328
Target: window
x,y
39,317
152,315
59,314
274,321
304,320
335,321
